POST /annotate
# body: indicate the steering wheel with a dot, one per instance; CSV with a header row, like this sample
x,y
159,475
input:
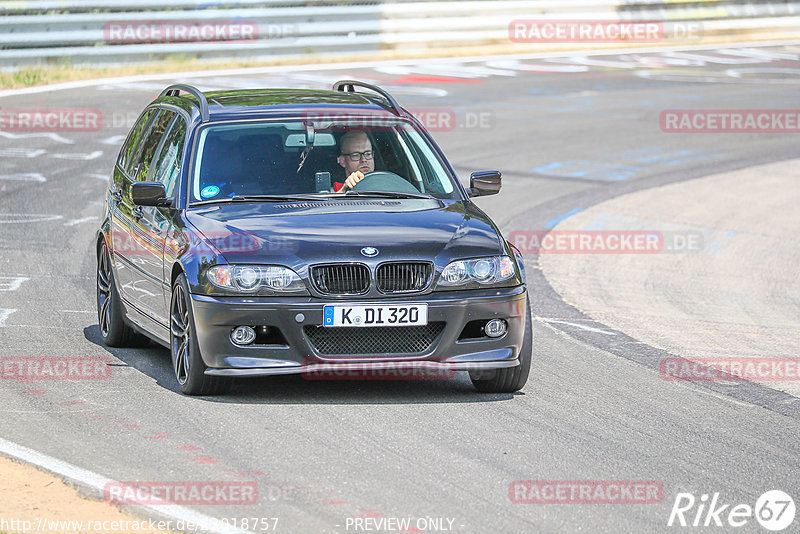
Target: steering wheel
x,y
383,181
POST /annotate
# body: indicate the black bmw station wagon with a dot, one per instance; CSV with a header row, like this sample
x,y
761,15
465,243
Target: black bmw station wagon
x,y
275,231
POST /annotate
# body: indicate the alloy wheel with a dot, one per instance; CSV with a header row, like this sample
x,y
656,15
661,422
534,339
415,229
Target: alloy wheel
x,y
179,329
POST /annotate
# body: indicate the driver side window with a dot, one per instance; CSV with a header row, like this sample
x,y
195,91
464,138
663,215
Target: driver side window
x,y
141,169
132,143
168,165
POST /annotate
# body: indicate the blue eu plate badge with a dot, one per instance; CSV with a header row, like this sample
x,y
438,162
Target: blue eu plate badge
x,y
328,315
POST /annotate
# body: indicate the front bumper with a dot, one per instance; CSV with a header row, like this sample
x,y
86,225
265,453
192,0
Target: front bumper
x,y
215,318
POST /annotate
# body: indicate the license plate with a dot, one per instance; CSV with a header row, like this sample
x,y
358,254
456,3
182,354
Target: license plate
x,y
381,315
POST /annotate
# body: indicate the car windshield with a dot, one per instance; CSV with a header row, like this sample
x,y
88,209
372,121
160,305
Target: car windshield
x,y
302,157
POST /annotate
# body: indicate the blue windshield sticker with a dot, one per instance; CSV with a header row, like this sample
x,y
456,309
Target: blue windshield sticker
x,y
210,191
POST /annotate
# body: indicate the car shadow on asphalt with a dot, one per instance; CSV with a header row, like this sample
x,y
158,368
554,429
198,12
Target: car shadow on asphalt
x,y
153,360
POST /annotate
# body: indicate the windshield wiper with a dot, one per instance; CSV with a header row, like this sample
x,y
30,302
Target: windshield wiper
x,y
388,194
261,198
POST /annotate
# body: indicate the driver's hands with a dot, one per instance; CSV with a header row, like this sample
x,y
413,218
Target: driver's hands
x,y
353,179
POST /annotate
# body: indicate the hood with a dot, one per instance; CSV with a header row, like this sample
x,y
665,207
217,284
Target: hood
x,y
297,234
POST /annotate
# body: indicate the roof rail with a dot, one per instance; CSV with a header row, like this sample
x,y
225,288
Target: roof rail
x,y
175,90
350,85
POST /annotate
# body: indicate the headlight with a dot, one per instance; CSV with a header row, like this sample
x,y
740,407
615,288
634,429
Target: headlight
x,y
256,278
478,272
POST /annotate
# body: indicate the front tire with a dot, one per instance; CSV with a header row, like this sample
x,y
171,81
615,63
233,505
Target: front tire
x,y
187,363
510,379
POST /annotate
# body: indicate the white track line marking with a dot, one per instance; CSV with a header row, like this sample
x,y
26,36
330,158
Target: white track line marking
x,y
48,135
12,283
98,482
4,315
99,176
24,177
46,326
113,140
84,157
369,64
15,218
78,221
21,152
56,276
582,327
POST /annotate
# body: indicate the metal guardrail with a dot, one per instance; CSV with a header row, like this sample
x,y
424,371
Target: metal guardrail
x,y
83,31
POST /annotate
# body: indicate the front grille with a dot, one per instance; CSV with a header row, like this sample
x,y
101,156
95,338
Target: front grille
x,y
354,341
341,279
403,277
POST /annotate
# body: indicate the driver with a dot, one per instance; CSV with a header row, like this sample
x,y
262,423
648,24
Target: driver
x,y
357,158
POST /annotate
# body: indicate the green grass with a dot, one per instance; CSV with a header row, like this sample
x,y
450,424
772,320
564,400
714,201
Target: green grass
x,y
25,77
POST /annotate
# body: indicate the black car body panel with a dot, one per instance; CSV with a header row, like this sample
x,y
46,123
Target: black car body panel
x,y
219,315
152,245
298,235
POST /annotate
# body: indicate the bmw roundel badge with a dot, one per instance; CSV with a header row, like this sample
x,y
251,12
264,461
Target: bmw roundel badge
x,y
369,251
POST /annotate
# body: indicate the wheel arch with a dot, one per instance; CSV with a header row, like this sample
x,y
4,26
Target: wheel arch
x,y
177,270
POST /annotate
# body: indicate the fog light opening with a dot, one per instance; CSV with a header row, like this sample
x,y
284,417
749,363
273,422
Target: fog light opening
x,y
495,328
243,335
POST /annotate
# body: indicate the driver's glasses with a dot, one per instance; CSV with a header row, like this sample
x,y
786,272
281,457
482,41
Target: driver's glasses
x,y
356,156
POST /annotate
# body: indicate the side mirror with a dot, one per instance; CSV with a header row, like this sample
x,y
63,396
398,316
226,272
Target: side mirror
x,y
484,183
149,194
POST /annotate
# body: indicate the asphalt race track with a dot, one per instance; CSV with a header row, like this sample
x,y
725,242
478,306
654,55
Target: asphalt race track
x,y
568,133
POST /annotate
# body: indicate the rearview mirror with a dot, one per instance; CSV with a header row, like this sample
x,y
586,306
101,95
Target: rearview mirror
x,y
149,194
484,183
320,139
